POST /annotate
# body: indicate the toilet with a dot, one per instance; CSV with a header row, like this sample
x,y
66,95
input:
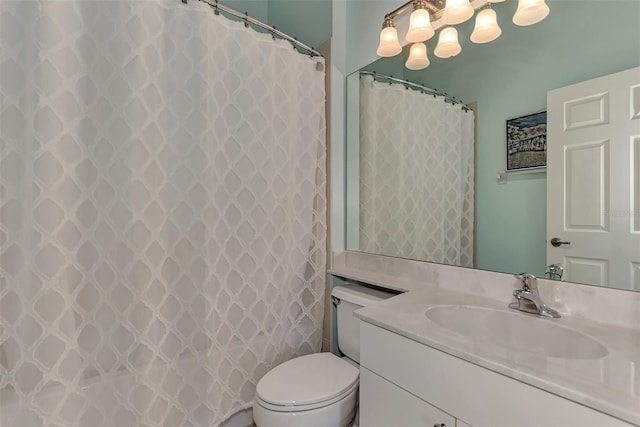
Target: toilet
x,y
319,389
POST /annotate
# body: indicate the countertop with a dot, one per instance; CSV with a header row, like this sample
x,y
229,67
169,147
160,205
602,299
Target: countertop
x,y
610,384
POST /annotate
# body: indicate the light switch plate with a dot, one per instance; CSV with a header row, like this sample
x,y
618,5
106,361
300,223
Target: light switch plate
x,y
502,177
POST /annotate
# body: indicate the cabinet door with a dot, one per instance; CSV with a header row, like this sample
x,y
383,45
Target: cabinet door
x,y
383,404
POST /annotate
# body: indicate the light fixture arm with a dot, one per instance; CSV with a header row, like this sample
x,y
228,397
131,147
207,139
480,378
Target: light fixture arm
x,y
388,22
411,5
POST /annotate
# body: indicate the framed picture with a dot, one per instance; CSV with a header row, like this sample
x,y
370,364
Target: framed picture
x,y
527,142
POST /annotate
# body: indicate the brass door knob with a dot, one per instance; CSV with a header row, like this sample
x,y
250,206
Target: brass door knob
x,y
556,242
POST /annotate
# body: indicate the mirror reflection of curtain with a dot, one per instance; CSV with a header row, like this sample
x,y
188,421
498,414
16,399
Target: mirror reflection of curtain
x,y
416,175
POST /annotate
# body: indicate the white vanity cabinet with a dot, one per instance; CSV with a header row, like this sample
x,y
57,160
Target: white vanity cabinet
x,y
406,383
386,404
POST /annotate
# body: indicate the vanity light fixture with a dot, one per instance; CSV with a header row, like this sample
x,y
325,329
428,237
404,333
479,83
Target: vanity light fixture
x,y
486,29
418,58
448,45
530,12
429,15
457,12
389,44
420,28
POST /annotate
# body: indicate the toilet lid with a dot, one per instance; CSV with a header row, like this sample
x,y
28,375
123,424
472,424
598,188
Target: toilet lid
x,y
307,380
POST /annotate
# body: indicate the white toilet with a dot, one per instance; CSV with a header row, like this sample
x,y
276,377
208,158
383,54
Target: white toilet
x,y
318,389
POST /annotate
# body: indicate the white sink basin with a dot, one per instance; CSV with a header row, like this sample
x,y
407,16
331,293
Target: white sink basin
x,y
521,333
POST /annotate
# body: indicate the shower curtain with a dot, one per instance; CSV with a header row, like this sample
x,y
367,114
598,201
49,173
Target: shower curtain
x,y
162,233
416,175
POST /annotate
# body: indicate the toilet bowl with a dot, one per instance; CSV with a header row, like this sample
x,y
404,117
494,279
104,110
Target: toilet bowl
x,y
313,390
318,389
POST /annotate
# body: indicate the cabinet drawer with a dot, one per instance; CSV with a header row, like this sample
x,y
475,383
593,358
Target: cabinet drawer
x,y
383,404
469,392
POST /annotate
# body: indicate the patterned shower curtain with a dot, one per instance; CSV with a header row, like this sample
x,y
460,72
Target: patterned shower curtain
x,y
162,233
416,175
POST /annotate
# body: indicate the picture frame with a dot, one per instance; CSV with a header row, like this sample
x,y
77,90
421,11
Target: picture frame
x,y
527,142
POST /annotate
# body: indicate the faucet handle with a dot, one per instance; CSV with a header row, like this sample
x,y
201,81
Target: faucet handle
x,y
529,281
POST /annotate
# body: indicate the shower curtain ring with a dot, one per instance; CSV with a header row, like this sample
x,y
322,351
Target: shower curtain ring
x,y
246,19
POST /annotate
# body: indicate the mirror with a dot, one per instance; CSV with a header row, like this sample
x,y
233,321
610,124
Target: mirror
x,y
508,78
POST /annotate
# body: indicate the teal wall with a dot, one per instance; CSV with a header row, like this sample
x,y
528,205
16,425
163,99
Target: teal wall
x,y
579,40
308,20
258,9
390,66
364,20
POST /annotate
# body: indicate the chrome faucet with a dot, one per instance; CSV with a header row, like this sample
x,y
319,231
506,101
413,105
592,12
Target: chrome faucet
x,y
554,272
528,298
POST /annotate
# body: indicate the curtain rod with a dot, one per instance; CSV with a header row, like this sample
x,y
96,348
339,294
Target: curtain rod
x,y
217,7
424,89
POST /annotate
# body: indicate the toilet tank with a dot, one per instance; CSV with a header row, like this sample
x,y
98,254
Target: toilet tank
x,y
349,298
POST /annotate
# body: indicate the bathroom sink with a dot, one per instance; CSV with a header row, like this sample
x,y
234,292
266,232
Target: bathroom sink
x,y
517,332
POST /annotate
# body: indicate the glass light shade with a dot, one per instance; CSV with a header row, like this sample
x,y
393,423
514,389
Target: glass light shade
x,y
389,44
457,11
486,28
420,28
448,45
530,12
418,59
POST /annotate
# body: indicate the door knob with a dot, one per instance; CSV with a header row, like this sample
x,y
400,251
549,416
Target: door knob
x,y
556,242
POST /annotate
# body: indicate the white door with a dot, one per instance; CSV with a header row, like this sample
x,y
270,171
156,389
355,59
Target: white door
x,y
593,180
